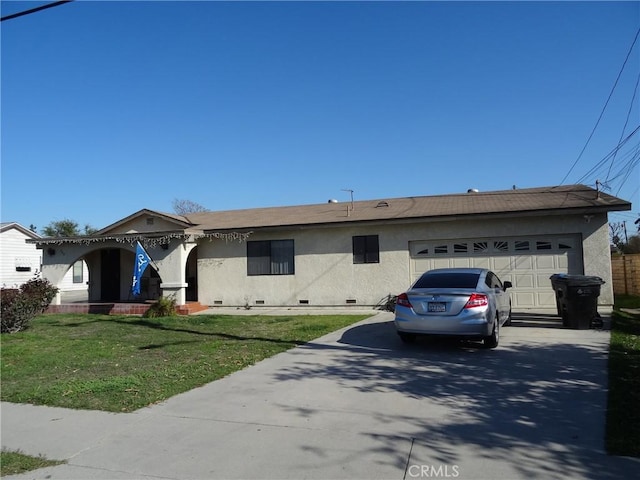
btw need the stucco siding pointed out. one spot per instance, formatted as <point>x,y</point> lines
<point>324,271</point>
<point>597,255</point>
<point>141,225</point>
<point>326,275</point>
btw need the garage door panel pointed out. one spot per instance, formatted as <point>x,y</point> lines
<point>542,279</point>
<point>482,262</point>
<point>520,262</point>
<point>546,298</point>
<point>523,299</point>
<point>544,262</point>
<point>441,263</point>
<point>562,262</point>
<point>523,281</point>
<point>501,264</point>
<point>460,262</point>
<point>422,265</point>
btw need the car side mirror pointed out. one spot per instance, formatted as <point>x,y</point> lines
<point>507,284</point>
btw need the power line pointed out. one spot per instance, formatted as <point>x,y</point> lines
<point>602,162</point>
<point>34,10</point>
<point>626,122</point>
<point>603,108</point>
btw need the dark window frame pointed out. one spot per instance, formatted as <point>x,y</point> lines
<point>366,249</point>
<point>270,257</point>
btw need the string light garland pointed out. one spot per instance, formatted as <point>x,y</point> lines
<point>146,240</point>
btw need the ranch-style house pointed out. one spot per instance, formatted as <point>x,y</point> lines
<point>348,253</point>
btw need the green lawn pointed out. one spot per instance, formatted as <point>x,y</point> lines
<point>122,363</point>
<point>623,411</point>
<point>13,463</point>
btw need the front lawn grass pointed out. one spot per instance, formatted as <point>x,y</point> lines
<point>623,411</point>
<point>13,463</point>
<point>122,363</point>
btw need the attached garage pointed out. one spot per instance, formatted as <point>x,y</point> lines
<point>527,262</point>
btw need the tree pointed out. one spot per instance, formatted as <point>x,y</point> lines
<point>66,228</point>
<point>624,244</point>
<point>633,245</point>
<point>185,207</point>
<point>616,234</point>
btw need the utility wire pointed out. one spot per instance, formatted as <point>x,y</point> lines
<point>34,10</point>
<point>610,154</point>
<point>626,122</point>
<point>603,108</point>
<point>630,168</point>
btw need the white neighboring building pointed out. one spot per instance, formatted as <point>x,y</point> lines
<point>21,261</point>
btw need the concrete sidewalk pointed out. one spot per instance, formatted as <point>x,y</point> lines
<point>358,404</point>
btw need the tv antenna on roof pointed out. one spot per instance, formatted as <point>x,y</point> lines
<point>351,192</point>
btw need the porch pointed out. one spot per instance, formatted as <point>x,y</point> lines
<point>77,302</point>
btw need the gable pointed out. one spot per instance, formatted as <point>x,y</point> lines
<point>18,229</point>
<point>146,221</point>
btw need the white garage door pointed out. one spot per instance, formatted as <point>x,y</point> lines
<point>527,262</point>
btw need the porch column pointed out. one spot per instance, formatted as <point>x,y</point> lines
<point>57,300</point>
<point>175,290</point>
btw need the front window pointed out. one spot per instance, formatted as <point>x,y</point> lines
<point>78,274</point>
<point>270,257</point>
<point>366,249</point>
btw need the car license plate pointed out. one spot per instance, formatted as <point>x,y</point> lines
<point>436,307</point>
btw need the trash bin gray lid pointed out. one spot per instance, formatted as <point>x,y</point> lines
<point>576,280</point>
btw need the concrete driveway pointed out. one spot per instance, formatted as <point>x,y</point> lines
<point>354,404</point>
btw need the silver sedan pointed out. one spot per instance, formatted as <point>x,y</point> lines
<point>460,302</point>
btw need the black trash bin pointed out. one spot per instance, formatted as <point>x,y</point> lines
<point>577,299</point>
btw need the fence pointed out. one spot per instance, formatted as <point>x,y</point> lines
<point>625,270</point>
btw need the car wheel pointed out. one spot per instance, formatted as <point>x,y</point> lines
<point>492,340</point>
<point>407,337</point>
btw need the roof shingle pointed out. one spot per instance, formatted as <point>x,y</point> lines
<point>531,201</point>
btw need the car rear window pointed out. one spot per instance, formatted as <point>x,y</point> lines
<point>448,280</point>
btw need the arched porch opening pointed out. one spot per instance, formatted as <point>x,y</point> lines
<point>74,286</point>
<point>108,279</point>
<point>191,276</point>
<point>112,282</point>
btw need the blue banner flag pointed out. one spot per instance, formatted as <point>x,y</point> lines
<point>142,261</point>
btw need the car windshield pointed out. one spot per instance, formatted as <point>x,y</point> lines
<point>448,280</point>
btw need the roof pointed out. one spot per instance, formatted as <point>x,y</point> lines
<point>561,200</point>
<point>529,201</point>
<point>4,226</point>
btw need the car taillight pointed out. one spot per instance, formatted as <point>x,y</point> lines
<point>477,300</point>
<point>403,300</point>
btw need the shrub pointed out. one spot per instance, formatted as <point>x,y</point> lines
<point>20,306</point>
<point>164,307</point>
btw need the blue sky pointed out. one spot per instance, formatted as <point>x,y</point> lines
<point>111,107</point>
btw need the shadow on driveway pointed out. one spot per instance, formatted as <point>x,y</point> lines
<point>537,402</point>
